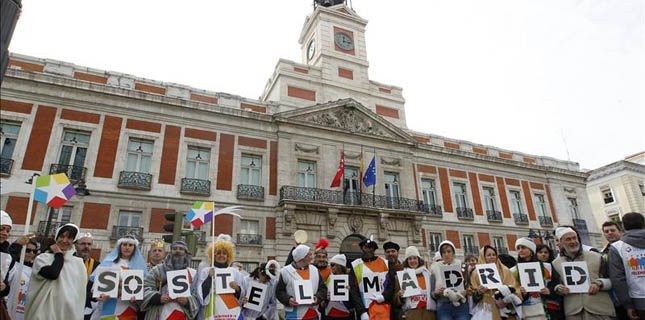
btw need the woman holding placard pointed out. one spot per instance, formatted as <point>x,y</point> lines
<point>126,256</point>
<point>486,306</point>
<point>450,293</point>
<point>553,301</point>
<point>266,274</point>
<point>420,305</point>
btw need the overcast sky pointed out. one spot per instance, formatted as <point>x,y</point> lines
<point>524,75</point>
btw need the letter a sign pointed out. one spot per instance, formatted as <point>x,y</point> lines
<point>576,276</point>
<point>489,275</point>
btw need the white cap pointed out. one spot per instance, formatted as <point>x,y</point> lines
<point>300,252</point>
<point>78,232</point>
<point>561,231</point>
<point>411,251</point>
<point>525,242</point>
<point>448,242</point>
<point>339,259</point>
<point>5,219</point>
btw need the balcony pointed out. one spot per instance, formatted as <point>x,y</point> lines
<point>197,187</point>
<point>135,180</point>
<point>119,232</point>
<point>250,192</point>
<point>432,210</point>
<point>474,250</point>
<point>545,221</point>
<point>42,225</point>
<point>246,238</point>
<point>465,213</point>
<point>494,216</point>
<point>521,219</point>
<point>351,198</point>
<point>74,173</point>
<point>5,167</point>
<point>502,250</point>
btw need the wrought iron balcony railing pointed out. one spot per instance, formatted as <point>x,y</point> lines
<point>74,173</point>
<point>465,213</point>
<point>42,225</point>
<point>245,238</point>
<point>545,221</point>
<point>474,250</point>
<point>195,186</point>
<point>494,216</point>
<point>432,210</point>
<point>351,198</point>
<point>5,166</point>
<point>502,250</point>
<point>135,180</point>
<point>250,192</point>
<point>521,218</point>
<point>119,232</point>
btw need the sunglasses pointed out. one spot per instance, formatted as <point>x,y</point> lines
<point>31,250</point>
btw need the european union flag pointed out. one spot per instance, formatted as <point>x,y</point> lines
<point>369,178</point>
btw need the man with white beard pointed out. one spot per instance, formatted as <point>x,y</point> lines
<point>596,303</point>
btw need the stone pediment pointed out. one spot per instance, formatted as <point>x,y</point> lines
<point>346,115</point>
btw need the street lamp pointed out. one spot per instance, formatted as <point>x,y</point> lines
<point>544,236</point>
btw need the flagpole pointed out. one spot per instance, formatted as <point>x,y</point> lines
<point>17,280</point>
<point>374,185</point>
<point>212,261</point>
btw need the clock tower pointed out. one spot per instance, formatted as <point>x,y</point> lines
<point>333,66</point>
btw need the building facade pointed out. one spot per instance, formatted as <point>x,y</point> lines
<point>146,148</point>
<point>617,188</point>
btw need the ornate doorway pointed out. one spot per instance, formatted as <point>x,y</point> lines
<point>350,248</point>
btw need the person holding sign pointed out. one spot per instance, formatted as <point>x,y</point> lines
<point>261,296</point>
<point>420,304</point>
<point>369,273</point>
<point>156,300</point>
<point>126,256</point>
<point>532,276</point>
<point>21,290</point>
<point>393,266</point>
<point>485,304</point>
<point>220,287</point>
<point>449,278</point>
<point>554,302</point>
<point>58,279</point>
<point>300,287</point>
<point>157,253</point>
<point>341,295</point>
<point>595,302</point>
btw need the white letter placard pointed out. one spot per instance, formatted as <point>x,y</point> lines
<point>131,284</point>
<point>576,276</point>
<point>371,284</point>
<point>255,296</point>
<point>339,287</point>
<point>223,279</point>
<point>489,275</point>
<point>304,291</point>
<point>409,284</point>
<point>106,282</point>
<point>452,277</point>
<point>531,276</point>
<point>178,284</point>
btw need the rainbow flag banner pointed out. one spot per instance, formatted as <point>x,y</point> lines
<point>54,190</point>
<point>200,213</point>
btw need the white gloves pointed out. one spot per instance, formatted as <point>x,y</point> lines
<point>379,298</point>
<point>365,316</point>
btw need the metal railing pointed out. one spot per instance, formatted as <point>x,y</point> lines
<point>135,180</point>
<point>520,218</point>
<point>465,213</point>
<point>353,198</point>
<point>494,216</point>
<point>5,166</point>
<point>119,232</point>
<point>474,250</point>
<point>53,225</point>
<point>545,221</point>
<point>432,210</point>
<point>246,238</point>
<point>250,192</point>
<point>74,173</point>
<point>195,186</point>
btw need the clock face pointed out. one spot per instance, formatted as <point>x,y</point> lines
<point>311,49</point>
<point>344,41</point>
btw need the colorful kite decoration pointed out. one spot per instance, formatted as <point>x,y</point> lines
<point>54,190</point>
<point>202,212</point>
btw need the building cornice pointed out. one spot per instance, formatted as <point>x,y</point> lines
<point>615,167</point>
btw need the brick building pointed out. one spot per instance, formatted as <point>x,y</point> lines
<point>145,148</point>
